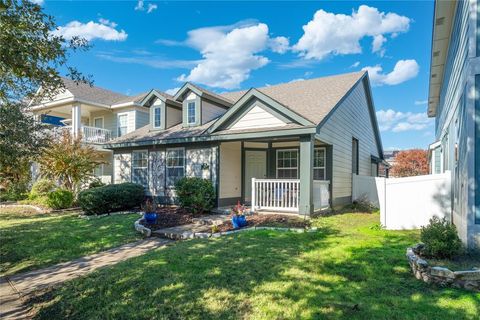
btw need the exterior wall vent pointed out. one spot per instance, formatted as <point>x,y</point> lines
<point>439,21</point>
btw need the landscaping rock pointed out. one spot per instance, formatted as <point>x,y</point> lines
<point>473,275</point>
<point>442,272</point>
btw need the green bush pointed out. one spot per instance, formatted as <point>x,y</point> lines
<point>41,188</point>
<point>111,198</point>
<point>60,199</point>
<point>95,184</point>
<point>14,192</point>
<point>440,238</point>
<point>195,194</point>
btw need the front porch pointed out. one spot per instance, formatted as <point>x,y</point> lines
<point>290,175</point>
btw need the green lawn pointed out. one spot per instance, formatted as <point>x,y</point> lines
<point>348,270</point>
<point>29,240</point>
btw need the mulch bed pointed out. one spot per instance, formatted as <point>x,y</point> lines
<point>269,220</point>
<point>169,217</point>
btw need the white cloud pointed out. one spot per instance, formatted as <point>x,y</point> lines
<point>104,30</point>
<point>397,121</point>
<point>139,6</point>
<point>151,7</point>
<point>39,2</point>
<point>404,70</point>
<point>420,102</point>
<point>230,53</point>
<point>158,62</point>
<point>355,64</point>
<point>377,44</point>
<point>337,34</point>
<point>172,91</point>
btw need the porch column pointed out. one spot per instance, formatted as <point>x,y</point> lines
<point>76,120</point>
<point>306,174</point>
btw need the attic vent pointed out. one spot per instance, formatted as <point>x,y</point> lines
<point>439,21</point>
<point>436,53</point>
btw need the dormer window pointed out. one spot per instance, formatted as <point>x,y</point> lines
<point>157,117</point>
<point>191,116</point>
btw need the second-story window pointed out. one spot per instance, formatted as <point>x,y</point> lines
<point>157,117</point>
<point>122,124</point>
<point>191,113</point>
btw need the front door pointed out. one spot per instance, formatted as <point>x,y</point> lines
<point>255,167</point>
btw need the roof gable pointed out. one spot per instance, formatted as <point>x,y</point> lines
<point>254,98</point>
<point>203,93</point>
<point>160,95</point>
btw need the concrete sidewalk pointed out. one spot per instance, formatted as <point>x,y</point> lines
<point>14,287</point>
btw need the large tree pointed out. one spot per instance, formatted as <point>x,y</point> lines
<point>410,163</point>
<point>30,58</point>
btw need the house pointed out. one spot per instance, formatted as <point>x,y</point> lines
<point>291,147</point>
<point>96,114</point>
<point>454,102</point>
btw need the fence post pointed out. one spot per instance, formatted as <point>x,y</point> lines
<point>253,195</point>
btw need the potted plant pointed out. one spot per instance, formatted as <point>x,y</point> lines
<point>238,216</point>
<point>150,211</point>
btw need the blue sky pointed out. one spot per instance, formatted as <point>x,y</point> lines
<point>227,46</point>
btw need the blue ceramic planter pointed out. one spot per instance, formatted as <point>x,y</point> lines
<point>151,217</point>
<point>239,222</point>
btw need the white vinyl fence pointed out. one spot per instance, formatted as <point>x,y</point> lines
<point>406,203</point>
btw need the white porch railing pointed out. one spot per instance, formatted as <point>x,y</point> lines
<point>321,194</point>
<point>284,195</point>
<point>89,134</point>
<point>275,194</point>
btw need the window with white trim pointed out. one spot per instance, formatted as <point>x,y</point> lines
<point>319,164</point>
<point>157,117</point>
<point>175,166</point>
<point>122,124</point>
<point>140,168</point>
<point>191,117</point>
<point>287,164</point>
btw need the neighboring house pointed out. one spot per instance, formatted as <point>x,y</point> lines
<point>289,147</point>
<point>97,114</point>
<point>390,156</point>
<point>454,102</point>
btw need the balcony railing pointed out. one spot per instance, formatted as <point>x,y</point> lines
<point>89,134</point>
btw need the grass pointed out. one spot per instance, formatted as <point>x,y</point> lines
<point>29,240</point>
<point>348,270</point>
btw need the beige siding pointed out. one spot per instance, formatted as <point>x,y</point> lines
<point>130,120</point>
<point>174,116</point>
<point>141,119</point>
<point>109,119</point>
<point>122,167</point>
<point>262,145</point>
<point>230,184</point>
<point>211,111</point>
<point>350,119</point>
<point>257,118</point>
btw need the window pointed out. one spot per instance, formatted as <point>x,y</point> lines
<point>287,164</point>
<point>319,157</point>
<point>157,117</point>
<point>98,171</point>
<point>175,166</point>
<point>122,124</point>
<point>140,168</point>
<point>354,156</point>
<point>191,113</point>
<point>98,122</point>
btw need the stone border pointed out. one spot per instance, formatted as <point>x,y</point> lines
<point>147,232</point>
<point>201,235</point>
<point>96,216</point>
<point>469,279</point>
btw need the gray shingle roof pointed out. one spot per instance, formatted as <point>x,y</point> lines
<point>95,94</point>
<point>313,99</point>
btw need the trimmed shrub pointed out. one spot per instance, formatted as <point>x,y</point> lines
<point>42,188</point>
<point>440,238</point>
<point>95,184</point>
<point>195,194</point>
<point>14,192</point>
<point>111,198</point>
<point>60,199</point>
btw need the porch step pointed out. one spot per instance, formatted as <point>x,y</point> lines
<point>181,232</point>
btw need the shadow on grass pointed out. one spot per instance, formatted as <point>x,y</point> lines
<point>37,240</point>
<point>261,274</point>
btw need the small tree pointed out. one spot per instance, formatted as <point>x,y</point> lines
<point>70,162</point>
<point>410,163</point>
